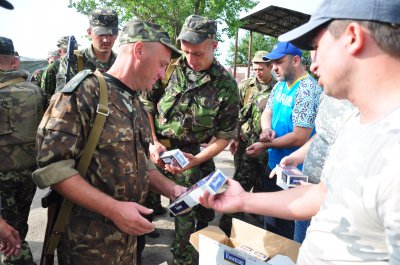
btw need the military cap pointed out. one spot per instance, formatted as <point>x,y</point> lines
<point>63,43</point>
<point>137,30</point>
<point>258,57</point>
<point>6,46</point>
<point>53,53</point>
<point>6,4</point>
<point>196,29</point>
<point>104,21</point>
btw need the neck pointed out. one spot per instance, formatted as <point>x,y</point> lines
<point>299,72</point>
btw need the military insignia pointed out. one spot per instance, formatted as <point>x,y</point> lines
<point>75,81</point>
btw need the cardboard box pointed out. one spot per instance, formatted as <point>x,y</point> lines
<point>216,248</point>
<point>289,177</point>
<point>174,157</point>
<point>212,183</point>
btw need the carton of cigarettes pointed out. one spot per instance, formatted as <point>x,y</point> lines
<point>289,176</point>
<point>174,157</point>
<point>212,183</point>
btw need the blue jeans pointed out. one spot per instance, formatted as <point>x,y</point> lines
<point>300,230</point>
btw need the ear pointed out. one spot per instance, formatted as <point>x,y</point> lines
<point>354,37</point>
<point>89,32</point>
<point>296,60</point>
<point>214,45</point>
<point>138,50</point>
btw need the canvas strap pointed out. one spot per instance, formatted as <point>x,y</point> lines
<point>66,207</point>
<point>12,81</point>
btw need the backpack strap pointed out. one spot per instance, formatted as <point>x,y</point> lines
<point>66,207</point>
<point>80,60</point>
<point>170,69</point>
<point>12,81</point>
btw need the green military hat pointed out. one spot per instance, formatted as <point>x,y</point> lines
<point>258,57</point>
<point>53,53</point>
<point>196,29</point>
<point>104,21</point>
<point>63,42</point>
<point>137,30</point>
<point>6,46</point>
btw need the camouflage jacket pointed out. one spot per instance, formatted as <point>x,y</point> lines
<point>49,79</point>
<point>194,111</point>
<point>250,112</point>
<point>36,76</point>
<point>120,164</point>
<point>20,113</point>
<point>89,62</point>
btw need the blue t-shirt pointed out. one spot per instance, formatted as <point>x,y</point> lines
<point>292,106</point>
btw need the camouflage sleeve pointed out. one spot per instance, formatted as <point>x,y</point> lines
<point>270,99</point>
<point>228,116</point>
<point>48,82</point>
<point>61,133</point>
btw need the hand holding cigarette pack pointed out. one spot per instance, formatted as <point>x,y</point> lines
<point>175,158</point>
<point>289,176</point>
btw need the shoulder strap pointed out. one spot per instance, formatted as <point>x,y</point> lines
<point>66,207</point>
<point>12,81</point>
<point>170,69</point>
<point>80,60</point>
<point>247,95</point>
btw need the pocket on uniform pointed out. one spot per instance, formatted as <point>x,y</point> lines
<point>204,114</point>
<point>6,116</point>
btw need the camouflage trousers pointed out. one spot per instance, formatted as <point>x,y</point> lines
<point>250,172</point>
<point>183,252</point>
<point>93,241</point>
<point>17,190</point>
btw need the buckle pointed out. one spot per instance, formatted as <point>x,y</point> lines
<point>103,110</point>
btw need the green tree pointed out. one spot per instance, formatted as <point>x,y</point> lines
<point>172,13</point>
<point>260,42</point>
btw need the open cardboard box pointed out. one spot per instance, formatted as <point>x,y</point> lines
<point>215,247</point>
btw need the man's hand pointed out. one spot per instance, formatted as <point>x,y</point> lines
<point>10,242</point>
<point>127,216</point>
<point>267,135</point>
<point>256,149</point>
<point>286,161</point>
<point>233,146</point>
<point>155,150</point>
<point>177,190</point>
<point>176,169</point>
<point>230,201</point>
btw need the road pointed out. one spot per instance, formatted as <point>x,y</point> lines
<point>156,251</point>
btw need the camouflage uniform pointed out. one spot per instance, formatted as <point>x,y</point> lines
<point>191,109</point>
<point>119,166</point>
<point>20,113</point>
<point>49,80</point>
<point>36,77</point>
<point>249,171</point>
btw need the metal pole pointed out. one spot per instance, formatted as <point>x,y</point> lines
<point>249,54</point>
<point>236,48</point>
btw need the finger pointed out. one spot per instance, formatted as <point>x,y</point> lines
<point>144,210</point>
<point>272,174</point>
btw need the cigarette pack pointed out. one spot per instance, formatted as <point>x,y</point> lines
<point>289,176</point>
<point>174,157</point>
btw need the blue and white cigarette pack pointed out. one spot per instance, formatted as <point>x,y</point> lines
<point>289,176</point>
<point>174,157</point>
<point>212,183</point>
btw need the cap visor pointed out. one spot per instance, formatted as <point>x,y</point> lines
<point>192,37</point>
<point>6,5</point>
<point>105,30</point>
<point>302,36</point>
<point>273,56</point>
<point>175,52</point>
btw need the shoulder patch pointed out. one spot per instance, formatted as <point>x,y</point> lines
<point>75,81</point>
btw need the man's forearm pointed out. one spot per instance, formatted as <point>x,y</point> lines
<point>212,150</point>
<point>161,184</point>
<point>153,130</point>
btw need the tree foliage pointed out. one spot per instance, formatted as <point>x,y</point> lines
<point>260,42</point>
<point>171,14</point>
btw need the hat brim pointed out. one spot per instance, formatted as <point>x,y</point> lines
<point>192,37</point>
<point>6,4</point>
<point>175,52</point>
<point>303,36</point>
<point>100,30</point>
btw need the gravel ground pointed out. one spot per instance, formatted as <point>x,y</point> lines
<point>157,249</point>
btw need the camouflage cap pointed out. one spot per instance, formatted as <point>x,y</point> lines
<point>104,21</point>
<point>53,53</point>
<point>63,42</point>
<point>137,30</point>
<point>258,57</point>
<point>196,29</point>
<point>6,46</point>
<point>6,4</point>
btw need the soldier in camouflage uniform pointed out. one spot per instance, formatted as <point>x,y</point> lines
<point>356,205</point>
<point>107,214</point>
<point>103,31</point>
<point>49,76</point>
<point>200,101</point>
<point>250,171</point>
<point>20,113</point>
<point>37,75</point>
